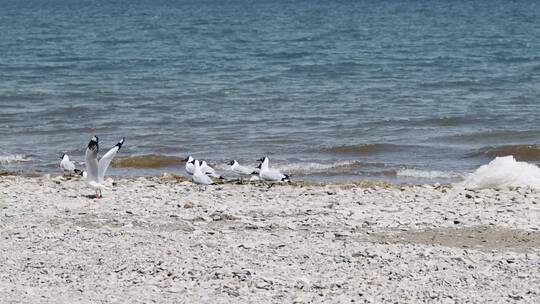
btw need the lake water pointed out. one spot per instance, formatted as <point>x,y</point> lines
<point>406,91</point>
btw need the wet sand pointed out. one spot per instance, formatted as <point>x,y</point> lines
<point>165,240</point>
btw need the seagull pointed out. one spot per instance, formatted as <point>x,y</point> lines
<point>244,171</point>
<point>95,170</point>
<point>199,177</point>
<point>238,169</point>
<point>270,174</point>
<point>67,165</point>
<point>209,170</point>
<point>190,167</point>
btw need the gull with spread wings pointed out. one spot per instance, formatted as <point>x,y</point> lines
<point>95,170</point>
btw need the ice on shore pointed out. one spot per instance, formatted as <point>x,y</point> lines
<point>504,172</point>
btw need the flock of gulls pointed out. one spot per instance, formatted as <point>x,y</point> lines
<point>201,173</point>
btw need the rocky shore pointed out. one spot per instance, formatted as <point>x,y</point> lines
<point>164,240</point>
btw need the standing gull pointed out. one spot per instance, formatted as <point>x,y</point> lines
<point>205,168</point>
<point>190,165</point>
<point>95,170</point>
<point>270,174</point>
<point>67,165</point>
<point>244,171</point>
<point>209,170</point>
<point>199,177</point>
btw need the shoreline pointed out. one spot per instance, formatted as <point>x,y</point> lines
<point>365,182</point>
<point>164,239</point>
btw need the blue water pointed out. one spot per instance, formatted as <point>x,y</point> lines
<point>433,83</point>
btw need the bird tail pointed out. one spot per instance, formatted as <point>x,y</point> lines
<point>78,172</point>
<point>286,178</point>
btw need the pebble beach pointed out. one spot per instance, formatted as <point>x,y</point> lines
<point>165,240</point>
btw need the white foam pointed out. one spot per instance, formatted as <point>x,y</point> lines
<point>504,172</point>
<point>303,167</point>
<point>15,158</point>
<point>311,167</point>
<point>429,174</point>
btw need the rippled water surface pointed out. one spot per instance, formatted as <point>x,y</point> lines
<point>399,90</point>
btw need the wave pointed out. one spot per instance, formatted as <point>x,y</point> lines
<point>313,167</point>
<point>147,161</point>
<point>429,174</point>
<point>457,83</point>
<point>504,172</point>
<point>164,149</point>
<point>336,68</point>
<point>476,137</point>
<point>55,131</point>
<point>284,54</point>
<point>308,168</point>
<point>14,158</point>
<point>367,149</point>
<point>520,152</point>
<point>449,121</point>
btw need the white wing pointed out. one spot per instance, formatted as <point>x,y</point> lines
<point>203,179</point>
<point>199,177</point>
<point>213,174</point>
<point>67,165</point>
<point>244,170</point>
<point>105,161</point>
<point>205,168</point>
<point>190,168</point>
<point>272,175</point>
<point>91,165</point>
<point>70,166</point>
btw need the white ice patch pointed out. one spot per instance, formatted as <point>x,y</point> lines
<point>504,172</point>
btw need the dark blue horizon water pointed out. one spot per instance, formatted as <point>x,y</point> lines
<point>433,85</point>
